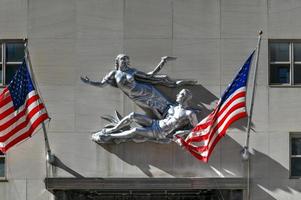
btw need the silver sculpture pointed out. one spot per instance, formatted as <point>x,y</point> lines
<point>140,87</point>
<point>179,120</point>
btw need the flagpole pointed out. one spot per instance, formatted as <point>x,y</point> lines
<point>47,145</point>
<point>253,92</point>
<point>245,151</point>
<point>27,59</point>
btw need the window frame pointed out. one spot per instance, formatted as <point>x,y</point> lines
<point>291,62</point>
<point>4,177</point>
<point>3,43</point>
<point>291,136</point>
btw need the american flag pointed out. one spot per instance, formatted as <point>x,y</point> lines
<point>201,141</point>
<point>21,109</point>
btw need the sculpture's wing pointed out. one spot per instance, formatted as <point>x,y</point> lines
<point>114,120</point>
<point>118,115</point>
<point>110,118</point>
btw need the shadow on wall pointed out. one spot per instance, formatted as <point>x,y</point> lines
<point>155,160</point>
<point>268,177</point>
<point>270,180</point>
<point>171,158</point>
<point>56,162</point>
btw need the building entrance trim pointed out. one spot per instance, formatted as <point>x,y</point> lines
<point>109,184</point>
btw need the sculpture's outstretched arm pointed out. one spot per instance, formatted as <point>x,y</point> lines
<point>105,81</point>
<point>94,83</point>
<point>159,79</point>
<point>193,119</point>
<point>161,64</point>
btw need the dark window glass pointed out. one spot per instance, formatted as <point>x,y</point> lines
<point>296,146</point>
<point>2,167</point>
<point>279,74</point>
<point>14,52</point>
<point>236,195</point>
<point>279,52</point>
<point>297,74</point>
<point>297,51</point>
<point>10,72</point>
<point>1,74</point>
<point>295,166</point>
<point>0,52</point>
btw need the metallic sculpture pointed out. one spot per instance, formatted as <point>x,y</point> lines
<point>140,86</point>
<point>169,118</point>
<point>179,120</point>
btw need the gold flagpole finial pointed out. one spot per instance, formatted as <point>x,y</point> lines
<point>260,32</point>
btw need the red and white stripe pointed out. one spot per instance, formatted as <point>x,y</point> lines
<point>203,138</point>
<point>17,125</point>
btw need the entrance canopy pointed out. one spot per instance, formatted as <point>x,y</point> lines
<point>146,188</point>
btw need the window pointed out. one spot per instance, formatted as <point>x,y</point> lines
<point>2,166</point>
<point>295,155</point>
<point>11,55</point>
<point>285,62</point>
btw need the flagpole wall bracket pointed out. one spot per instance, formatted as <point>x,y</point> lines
<point>245,154</point>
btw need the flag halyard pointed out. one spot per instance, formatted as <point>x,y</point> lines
<point>230,108</point>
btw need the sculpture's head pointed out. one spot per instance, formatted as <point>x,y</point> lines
<point>122,61</point>
<point>184,96</point>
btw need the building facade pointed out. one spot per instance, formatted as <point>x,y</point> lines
<point>68,39</point>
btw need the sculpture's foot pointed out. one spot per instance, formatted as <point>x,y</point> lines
<point>186,82</point>
<point>109,131</point>
<point>101,137</point>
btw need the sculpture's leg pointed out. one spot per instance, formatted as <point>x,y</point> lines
<point>127,120</point>
<point>101,137</point>
<point>144,132</point>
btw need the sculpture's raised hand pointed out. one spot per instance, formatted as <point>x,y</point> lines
<point>85,79</point>
<point>164,59</point>
<point>168,58</point>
